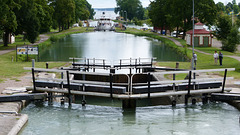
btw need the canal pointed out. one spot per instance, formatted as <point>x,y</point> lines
<point>108,45</point>
<point>109,118</point>
<point>209,119</point>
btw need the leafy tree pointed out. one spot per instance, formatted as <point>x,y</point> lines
<point>81,10</point>
<point>223,26</point>
<point>230,44</point>
<point>64,13</point>
<point>28,19</point>
<point>229,7</point>
<point>236,9</point>
<point>8,22</point>
<point>132,8</point>
<point>163,12</point>
<point>44,13</point>
<point>220,7</point>
<point>91,10</point>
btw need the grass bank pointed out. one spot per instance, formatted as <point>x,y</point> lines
<point>204,61</point>
<point>15,69</point>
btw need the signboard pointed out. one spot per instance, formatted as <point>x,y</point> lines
<point>27,50</point>
<point>22,50</point>
<point>33,50</point>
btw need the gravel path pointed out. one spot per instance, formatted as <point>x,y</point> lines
<point>43,37</point>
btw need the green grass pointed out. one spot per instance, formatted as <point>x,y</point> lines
<point>12,70</point>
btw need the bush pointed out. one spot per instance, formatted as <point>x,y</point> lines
<point>230,44</point>
<point>54,38</point>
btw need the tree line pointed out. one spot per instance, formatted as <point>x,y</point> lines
<point>31,17</point>
<point>178,15</point>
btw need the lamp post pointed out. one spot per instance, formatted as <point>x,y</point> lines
<point>193,39</point>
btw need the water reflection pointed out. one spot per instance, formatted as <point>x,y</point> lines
<point>107,45</point>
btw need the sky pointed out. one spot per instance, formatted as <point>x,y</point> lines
<point>145,3</point>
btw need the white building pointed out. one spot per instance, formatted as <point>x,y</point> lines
<point>202,37</point>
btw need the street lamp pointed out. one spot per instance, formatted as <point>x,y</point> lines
<point>193,39</point>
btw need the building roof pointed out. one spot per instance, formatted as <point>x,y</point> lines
<point>199,24</point>
<point>198,31</point>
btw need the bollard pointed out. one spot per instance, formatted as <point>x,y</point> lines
<point>33,63</point>
<point>12,58</point>
<point>46,65</point>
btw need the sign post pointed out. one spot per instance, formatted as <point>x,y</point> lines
<point>26,50</point>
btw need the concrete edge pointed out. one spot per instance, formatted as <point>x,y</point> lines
<point>19,125</point>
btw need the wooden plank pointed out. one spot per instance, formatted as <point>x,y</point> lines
<point>12,98</point>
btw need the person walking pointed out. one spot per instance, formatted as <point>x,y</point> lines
<point>220,58</point>
<point>195,59</point>
<point>215,56</point>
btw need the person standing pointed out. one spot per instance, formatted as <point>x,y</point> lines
<point>215,56</point>
<point>220,58</point>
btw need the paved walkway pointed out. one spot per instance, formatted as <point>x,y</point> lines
<point>43,37</point>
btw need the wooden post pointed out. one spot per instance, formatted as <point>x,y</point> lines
<point>88,64</point>
<point>73,63</point>
<point>38,53</point>
<point>46,65</point>
<point>93,64</point>
<point>111,83</point>
<point>120,64</point>
<point>27,53</point>
<point>149,79</point>
<point>224,80</point>
<point>189,85</point>
<point>34,84</point>
<point>69,91</point>
<point>151,62</point>
<point>16,53</point>
<point>104,64</point>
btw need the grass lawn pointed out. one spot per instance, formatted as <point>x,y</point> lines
<point>14,69</point>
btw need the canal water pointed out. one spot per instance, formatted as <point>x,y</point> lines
<point>210,119</point>
<point>108,45</point>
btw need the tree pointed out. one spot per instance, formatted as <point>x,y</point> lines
<point>180,11</point>
<point>44,13</point>
<point>28,19</point>
<point>223,26</point>
<point>64,13</point>
<point>220,7</point>
<point>131,8</point>
<point>81,10</point>
<point>8,22</point>
<point>230,44</point>
<point>91,10</point>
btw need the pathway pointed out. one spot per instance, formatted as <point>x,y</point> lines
<point>43,37</point>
